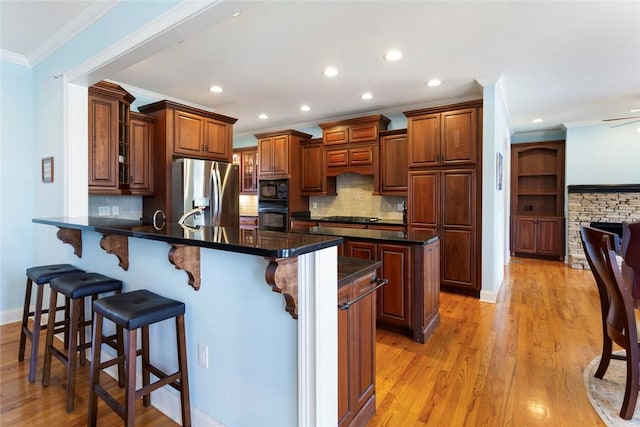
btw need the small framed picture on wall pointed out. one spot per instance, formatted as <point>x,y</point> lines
<point>47,169</point>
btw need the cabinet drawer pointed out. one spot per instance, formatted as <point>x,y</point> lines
<point>361,156</point>
<point>338,135</point>
<point>337,158</point>
<point>364,133</point>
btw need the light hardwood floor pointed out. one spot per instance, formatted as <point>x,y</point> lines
<point>515,363</point>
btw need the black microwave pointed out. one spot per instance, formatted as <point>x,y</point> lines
<point>273,190</point>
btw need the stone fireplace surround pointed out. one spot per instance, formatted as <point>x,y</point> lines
<point>597,203</point>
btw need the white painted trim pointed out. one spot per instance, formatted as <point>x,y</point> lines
<point>80,22</point>
<point>14,58</point>
<point>76,149</point>
<point>318,340</point>
<point>11,316</point>
<point>173,17</point>
<point>490,296</point>
<point>165,400</point>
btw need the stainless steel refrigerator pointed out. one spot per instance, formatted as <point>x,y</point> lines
<point>205,192</point>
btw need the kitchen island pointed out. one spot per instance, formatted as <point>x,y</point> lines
<point>268,360</point>
<point>409,303</point>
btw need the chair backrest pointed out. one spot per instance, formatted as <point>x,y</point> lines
<point>620,323</point>
<point>591,240</point>
<point>630,251</point>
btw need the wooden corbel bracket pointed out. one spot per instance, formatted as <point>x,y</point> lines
<point>118,245</point>
<point>282,276</point>
<point>187,258</point>
<point>72,237</point>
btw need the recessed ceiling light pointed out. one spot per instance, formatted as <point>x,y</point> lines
<point>366,95</point>
<point>263,116</point>
<point>215,89</point>
<point>635,110</point>
<point>305,108</point>
<point>538,120</point>
<point>393,55</point>
<point>235,15</point>
<point>434,83</point>
<point>330,71</point>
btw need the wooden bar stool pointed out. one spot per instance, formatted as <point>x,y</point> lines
<point>40,275</point>
<point>132,311</point>
<point>75,287</point>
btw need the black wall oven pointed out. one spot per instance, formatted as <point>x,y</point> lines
<point>273,190</point>
<point>273,217</point>
<point>273,205</point>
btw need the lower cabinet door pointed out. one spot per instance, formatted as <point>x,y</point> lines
<point>394,299</point>
<point>549,240</point>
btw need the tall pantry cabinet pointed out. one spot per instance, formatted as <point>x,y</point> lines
<point>444,188</point>
<point>537,199</point>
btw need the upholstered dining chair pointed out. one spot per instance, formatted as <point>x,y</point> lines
<point>591,239</point>
<point>620,321</point>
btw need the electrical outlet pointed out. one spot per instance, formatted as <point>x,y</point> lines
<point>115,210</point>
<point>203,356</point>
<point>103,211</point>
<point>315,205</point>
<point>400,207</point>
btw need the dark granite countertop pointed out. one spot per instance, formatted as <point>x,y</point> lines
<point>269,244</point>
<point>352,268</point>
<point>415,237</point>
<point>304,216</point>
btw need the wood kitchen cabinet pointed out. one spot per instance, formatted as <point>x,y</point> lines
<point>182,131</point>
<point>409,303</point>
<point>313,171</point>
<point>198,136</point>
<point>108,145</point>
<point>247,161</point>
<point>444,184</point>
<point>358,130</point>
<point>445,202</point>
<point>141,129</point>
<point>394,162</point>
<point>185,131</point>
<point>278,152</point>
<point>537,199</point>
<point>356,354</point>
<point>442,138</point>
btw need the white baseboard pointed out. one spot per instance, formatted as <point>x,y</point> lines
<point>489,296</point>
<point>167,402</point>
<point>10,316</point>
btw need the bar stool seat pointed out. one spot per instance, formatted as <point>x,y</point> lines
<point>132,311</point>
<point>39,275</point>
<point>75,288</point>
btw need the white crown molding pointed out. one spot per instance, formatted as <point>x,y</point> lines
<point>14,58</point>
<point>89,15</point>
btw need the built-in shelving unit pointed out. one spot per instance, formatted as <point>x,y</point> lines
<point>537,201</point>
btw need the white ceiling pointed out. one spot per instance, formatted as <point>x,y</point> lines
<point>566,62</point>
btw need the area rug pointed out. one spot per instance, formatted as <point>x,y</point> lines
<point>606,394</point>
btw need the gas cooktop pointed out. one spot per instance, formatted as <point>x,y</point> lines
<point>351,218</point>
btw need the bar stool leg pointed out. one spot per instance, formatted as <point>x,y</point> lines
<point>130,367</point>
<point>181,342</point>
<point>46,371</point>
<point>25,320</point>
<point>35,333</point>
<point>72,351</point>
<point>146,374</point>
<point>120,352</point>
<point>94,374</point>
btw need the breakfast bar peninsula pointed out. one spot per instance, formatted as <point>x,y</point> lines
<point>254,357</point>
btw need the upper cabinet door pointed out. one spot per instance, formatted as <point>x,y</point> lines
<point>459,136</point>
<point>217,140</point>
<point>424,140</point>
<point>265,150</point>
<point>188,131</point>
<point>141,154</point>
<point>103,140</point>
<point>281,155</point>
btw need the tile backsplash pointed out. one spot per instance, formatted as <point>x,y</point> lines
<point>355,198</point>
<point>129,207</point>
<point>248,205</point>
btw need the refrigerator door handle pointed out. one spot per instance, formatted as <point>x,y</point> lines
<point>219,216</point>
<point>215,189</point>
